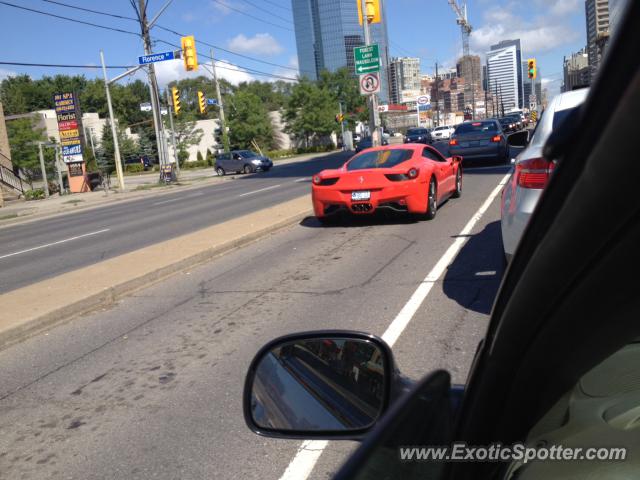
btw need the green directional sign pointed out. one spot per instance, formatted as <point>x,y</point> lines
<point>367,59</point>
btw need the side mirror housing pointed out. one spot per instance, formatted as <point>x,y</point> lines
<point>457,159</point>
<point>519,139</point>
<point>319,385</point>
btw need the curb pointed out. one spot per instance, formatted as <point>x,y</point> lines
<point>109,296</point>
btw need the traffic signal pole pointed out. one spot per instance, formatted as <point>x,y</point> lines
<point>112,122</point>
<point>373,99</point>
<point>173,131</point>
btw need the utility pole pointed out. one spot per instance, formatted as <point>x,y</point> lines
<point>114,133</point>
<point>223,123</point>
<point>43,171</point>
<point>437,98</point>
<point>173,131</point>
<point>341,125</point>
<point>59,170</point>
<point>373,100</point>
<point>153,86</point>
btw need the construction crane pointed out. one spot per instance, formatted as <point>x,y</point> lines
<point>465,26</point>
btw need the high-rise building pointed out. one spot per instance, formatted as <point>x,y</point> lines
<point>404,79</point>
<point>327,32</point>
<point>504,74</point>
<point>616,12</point>
<point>597,13</point>
<point>469,68</point>
<point>575,69</point>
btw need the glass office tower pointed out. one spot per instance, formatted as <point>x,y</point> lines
<point>327,32</point>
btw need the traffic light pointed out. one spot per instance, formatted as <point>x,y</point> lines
<point>531,68</point>
<point>189,55</point>
<point>175,95</point>
<point>339,118</point>
<point>373,11</point>
<point>202,102</point>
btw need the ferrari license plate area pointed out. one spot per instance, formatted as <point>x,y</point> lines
<point>360,195</point>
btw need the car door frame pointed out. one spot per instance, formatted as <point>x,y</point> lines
<point>446,170</point>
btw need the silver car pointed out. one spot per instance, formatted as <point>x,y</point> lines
<point>531,171</point>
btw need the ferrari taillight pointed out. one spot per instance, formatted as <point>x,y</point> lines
<point>413,173</point>
<point>533,173</point>
<point>317,180</point>
<point>453,141</point>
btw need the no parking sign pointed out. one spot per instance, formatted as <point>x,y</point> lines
<point>369,83</point>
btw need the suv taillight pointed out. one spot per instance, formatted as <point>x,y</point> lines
<point>534,172</point>
<point>453,142</point>
<point>496,138</point>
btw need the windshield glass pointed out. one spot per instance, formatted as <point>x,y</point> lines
<point>247,153</point>
<point>477,127</point>
<point>379,159</point>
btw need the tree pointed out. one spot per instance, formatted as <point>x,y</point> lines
<point>106,153</point>
<point>249,121</point>
<point>23,136</point>
<point>310,112</point>
<point>199,157</point>
<point>186,135</point>
<point>344,88</point>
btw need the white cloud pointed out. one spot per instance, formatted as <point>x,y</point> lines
<point>6,74</point>
<point>222,6</point>
<point>259,44</point>
<point>560,7</point>
<point>171,70</point>
<point>287,72</point>
<point>537,33</point>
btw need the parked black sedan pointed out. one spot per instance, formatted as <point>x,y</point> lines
<point>242,161</point>
<point>418,135</point>
<point>367,142</point>
<point>484,140</point>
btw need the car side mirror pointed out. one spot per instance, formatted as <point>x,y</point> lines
<point>456,159</point>
<point>518,139</point>
<point>327,384</point>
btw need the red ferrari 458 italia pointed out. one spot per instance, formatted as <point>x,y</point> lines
<point>411,178</point>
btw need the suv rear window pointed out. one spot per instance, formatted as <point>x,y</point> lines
<point>477,127</point>
<point>417,131</point>
<point>379,159</point>
<point>560,116</point>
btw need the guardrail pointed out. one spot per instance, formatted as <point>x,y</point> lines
<point>11,180</point>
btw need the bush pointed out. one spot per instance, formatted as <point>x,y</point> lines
<point>198,164</point>
<point>316,149</point>
<point>280,153</point>
<point>134,167</point>
<point>35,194</point>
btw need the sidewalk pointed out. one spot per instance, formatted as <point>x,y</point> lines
<point>137,186</point>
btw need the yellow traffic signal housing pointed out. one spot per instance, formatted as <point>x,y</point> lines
<point>339,118</point>
<point>175,95</point>
<point>374,13</point>
<point>202,102</point>
<point>189,54</point>
<point>531,68</point>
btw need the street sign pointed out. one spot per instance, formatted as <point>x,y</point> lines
<point>369,83</point>
<point>424,108</point>
<point>212,101</point>
<point>163,110</point>
<point>367,59</point>
<point>423,100</point>
<point>383,108</point>
<point>145,107</point>
<point>533,106</point>
<point>533,116</point>
<point>155,57</point>
<point>533,98</point>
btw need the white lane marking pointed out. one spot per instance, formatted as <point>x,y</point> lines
<point>488,273</point>
<point>197,194</point>
<point>54,243</point>
<point>259,190</point>
<point>305,179</point>
<point>309,452</point>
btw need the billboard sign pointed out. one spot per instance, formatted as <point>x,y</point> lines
<point>69,126</point>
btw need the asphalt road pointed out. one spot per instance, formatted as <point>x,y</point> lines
<point>49,247</point>
<point>151,388</point>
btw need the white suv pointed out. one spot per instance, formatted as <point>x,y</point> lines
<point>442,132</point>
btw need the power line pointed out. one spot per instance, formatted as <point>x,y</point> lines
<point>202,42</point>
<point>98,12</point>
<point>23,64</point>
<point>251,16</point>
<point>277,5</point>
<point>114,15</point>
<point>236,68</point>
<point>267,11</point>
<point>70,19</point>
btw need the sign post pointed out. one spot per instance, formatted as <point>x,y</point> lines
<point>367,61</point>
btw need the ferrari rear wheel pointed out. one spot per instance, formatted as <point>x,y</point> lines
<point>432,203</point>
<point>458,191</point>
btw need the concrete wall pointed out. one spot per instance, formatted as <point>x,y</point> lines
<point>5,150</point>
<point>208,141</point>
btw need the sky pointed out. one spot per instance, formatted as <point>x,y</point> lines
<point>263,31</point>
